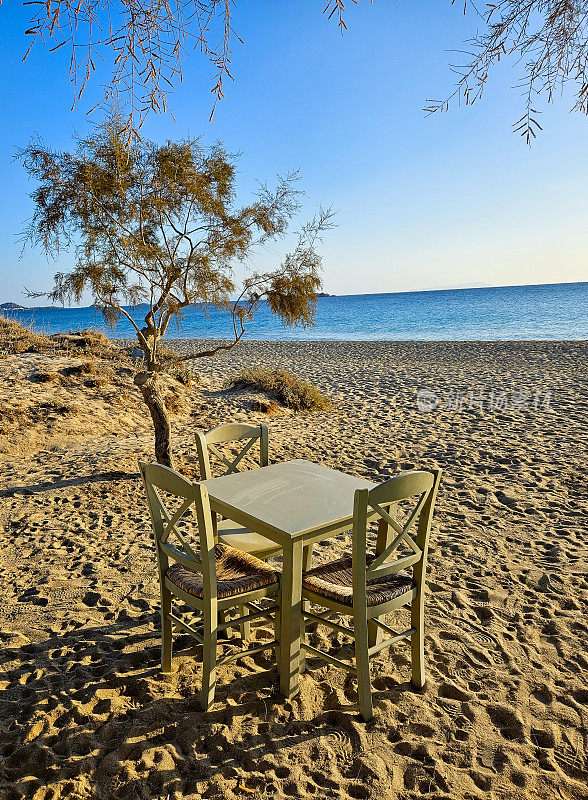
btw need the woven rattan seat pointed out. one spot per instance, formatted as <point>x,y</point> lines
<point>236,572</point>
<point>335,580</point>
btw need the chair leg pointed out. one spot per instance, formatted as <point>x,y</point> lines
<point>362,662</point>
<point>303,638</point>
<point>306,565</point>
<point>417,621</point>
<point>277,622</point>
<point>374,633</point>
<point>224,615</point>
<point>166,630</point>
<point>209,660</point>
<point>245,626</point>
<point>384,539</point>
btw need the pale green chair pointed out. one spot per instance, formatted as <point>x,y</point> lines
<point>206,444</point>
<point>229,532</point>
<point>215,579</point>
<point>367,587</point>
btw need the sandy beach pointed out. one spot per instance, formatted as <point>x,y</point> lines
<point>85,711</point>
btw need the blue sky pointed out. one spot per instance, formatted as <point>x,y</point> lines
<point>421,201</point>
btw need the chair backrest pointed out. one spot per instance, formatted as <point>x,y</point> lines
<point>206,442</point>
<point>418,485</point>
<point>159,480</point>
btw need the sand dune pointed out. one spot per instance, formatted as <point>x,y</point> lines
<point>85,712</point>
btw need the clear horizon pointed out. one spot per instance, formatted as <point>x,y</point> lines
<point>360,294</point>
<point>422,202</point>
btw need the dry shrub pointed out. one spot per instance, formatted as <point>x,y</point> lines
<point>46,376</point>
<point>283,386</point>
<point>96,382</point>
<point>68,410</point>
<point>269,407</point>
<point>185,376</point>
<point>174,402</point>
<point>92,343</point>
<point>13,417</point>
<point>17,338</point>
<point>165,354</point>
<point>20,415</point>
<point>93,368</point>
<point>90,368</point>
<point>93,337</point>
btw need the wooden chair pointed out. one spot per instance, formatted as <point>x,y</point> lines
<point>229,532</point>
<point>206,442</point>
<point>216,579</point>
<point>366,587</point>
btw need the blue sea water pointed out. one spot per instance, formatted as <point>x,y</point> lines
<point>550,311</point>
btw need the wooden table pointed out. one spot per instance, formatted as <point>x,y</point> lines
<point>294,503</point>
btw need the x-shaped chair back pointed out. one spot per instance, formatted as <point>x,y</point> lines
<point>159,480</point>
<point>231,432</point>
<point>417,485</point>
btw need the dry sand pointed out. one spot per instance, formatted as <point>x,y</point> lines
<point>84,709</point>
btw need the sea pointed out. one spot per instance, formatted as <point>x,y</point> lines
<point>547,311</point>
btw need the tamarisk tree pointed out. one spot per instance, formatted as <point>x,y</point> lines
<point>159,225</point>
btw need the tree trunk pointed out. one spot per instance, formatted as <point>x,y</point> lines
<point>148,384</point>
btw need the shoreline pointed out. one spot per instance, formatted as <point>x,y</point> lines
<point>126,340</point>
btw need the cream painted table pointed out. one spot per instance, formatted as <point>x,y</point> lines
<point>294,503</point>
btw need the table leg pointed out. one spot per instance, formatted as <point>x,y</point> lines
<point>290,619</point>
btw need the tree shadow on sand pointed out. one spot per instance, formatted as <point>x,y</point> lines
<point>60,483</point>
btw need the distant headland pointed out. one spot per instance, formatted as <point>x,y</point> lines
<point>18,307</point>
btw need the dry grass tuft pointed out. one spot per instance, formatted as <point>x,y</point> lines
<point>13,417</point>
<point>92,343</point>
<point>185,376</point>
<point>97,382</point>
<point>174,402</point>
<point>269,407</point>
<point>16,338</point>
<point>282,386</point>
<point>88,368</point>
<point>20,415</point>
<point>46,376</point>
<point>165,353</point>
<point>68,409</point>
<point>96,374</point>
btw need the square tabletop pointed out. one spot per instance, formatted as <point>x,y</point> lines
<point>293,497</point>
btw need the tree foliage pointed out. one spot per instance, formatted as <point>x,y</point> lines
<point>548,37</point>
<point>159,224</point>
<point>147,40</point>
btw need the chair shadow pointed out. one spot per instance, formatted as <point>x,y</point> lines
<point>91,704</point>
